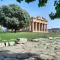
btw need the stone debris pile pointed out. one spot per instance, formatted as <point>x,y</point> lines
<point>43,49</point>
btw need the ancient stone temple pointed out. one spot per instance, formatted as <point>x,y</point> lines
<point>38,24</point>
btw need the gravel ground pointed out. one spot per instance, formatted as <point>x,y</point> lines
<point>42,50</point>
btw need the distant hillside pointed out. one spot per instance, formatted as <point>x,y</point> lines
<point>54,30</point>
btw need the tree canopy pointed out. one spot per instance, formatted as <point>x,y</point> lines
<point>13,17</point>
<point>42,3</point>
<point>57,9</point>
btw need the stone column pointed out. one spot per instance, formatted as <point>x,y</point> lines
<point>42,27</point>
<point>39,27</point>
<point>36,26</point>
<point>32,26</point>
<point>46,27</point>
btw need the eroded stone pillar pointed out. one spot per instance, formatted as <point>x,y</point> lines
<point>39,27</point>
<point>46,27</point>
<point>29,26</point>
<point>32,27</point>
<point>36,26</point>
<point>42,27</point>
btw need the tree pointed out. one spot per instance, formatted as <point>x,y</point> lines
<point>57,9</point>
<point>43,3</point>
<point>12,23</point>
<point>13,17</point>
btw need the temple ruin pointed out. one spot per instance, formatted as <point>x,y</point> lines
<point>38,24</point>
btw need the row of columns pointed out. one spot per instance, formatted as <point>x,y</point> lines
<point>38,26</point>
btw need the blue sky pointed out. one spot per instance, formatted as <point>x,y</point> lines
<point>33,9</point>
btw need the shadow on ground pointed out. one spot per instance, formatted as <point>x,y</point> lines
<point>7,55</point>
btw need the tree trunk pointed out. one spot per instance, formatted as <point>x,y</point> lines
<point>12,30</point>
<point>15,30</point>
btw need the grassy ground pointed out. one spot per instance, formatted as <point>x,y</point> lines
<point>29,35</point>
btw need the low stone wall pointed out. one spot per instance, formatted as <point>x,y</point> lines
<point>13,43</point>
<point>4,44</point>
<point>24,40</point>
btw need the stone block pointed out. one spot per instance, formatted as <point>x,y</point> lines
<point>35,40</point>
<point>22,40</point>
<point>50,38</point>
<point>11,43</point>
<point>7,44</point>
<point>47,57</point>
<point>2,44</point>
